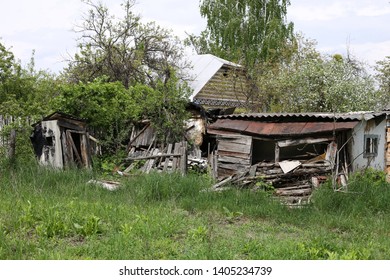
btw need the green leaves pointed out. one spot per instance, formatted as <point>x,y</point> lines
<point>312,82</point>
<point>247,31</point>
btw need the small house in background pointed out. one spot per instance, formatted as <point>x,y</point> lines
<point>61,140</point>
<point>218,83</point>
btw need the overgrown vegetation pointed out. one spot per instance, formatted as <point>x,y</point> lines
<point>51,214</point>
<point>126,71</point>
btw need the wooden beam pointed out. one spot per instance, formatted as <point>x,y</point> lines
<point>153,157</point>
<point>295,142</point>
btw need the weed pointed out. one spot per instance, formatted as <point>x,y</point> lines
<point>199,234</point>
<point>232,216</point>
<point>53,214</point>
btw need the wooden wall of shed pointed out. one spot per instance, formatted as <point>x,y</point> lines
<point>227,84</point>
<point>142,136</point>
<point>234,154</point>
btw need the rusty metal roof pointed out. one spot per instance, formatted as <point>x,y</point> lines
<point>352,116</point>
<point>278,128</point>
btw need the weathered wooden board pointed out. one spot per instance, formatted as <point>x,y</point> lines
<point>235,160</point>
<point>234,154</point>
<point>234,147</point>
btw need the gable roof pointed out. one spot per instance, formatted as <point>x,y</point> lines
<point>203,69</point>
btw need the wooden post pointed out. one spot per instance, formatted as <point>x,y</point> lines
<point>169,150</point>
<point>12,146</point>
<point>277,152</point>
<point>176,150</point>
<point>183,158</point>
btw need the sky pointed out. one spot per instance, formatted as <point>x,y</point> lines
<point>46,26</point>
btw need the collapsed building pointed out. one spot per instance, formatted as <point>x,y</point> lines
<point>293,152</point>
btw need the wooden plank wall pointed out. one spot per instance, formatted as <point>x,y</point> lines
<point>226,84</point>
<point>234,154</point>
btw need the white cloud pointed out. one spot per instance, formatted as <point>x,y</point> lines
<point>373,11</point>
<point>314,11</point>
<point>302,10</point>
<point>372,52</point>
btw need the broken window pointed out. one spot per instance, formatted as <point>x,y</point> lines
<point>371,145</point>
<point>50,141</point>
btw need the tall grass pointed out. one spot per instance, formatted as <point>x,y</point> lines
<point>54,214</point>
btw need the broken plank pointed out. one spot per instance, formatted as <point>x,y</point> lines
<point>175,159</point>
<point>169,150</point>
<point>223,182</point>
<point>297,192</point>
<point>153,156</point>
<point>287,143</point>
<point>233,160</point>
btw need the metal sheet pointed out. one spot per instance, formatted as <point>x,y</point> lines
<point>283,128</point>
<point>232,125</point>
<point>275,117</point>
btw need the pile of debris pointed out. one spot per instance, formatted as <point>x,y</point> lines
<point>293,181</point>
<point>172,158</point>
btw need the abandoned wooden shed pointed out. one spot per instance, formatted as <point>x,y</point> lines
<point>61,140</point>
<point>291,151</point>
<point>218,83</point>
<point>143,135</point>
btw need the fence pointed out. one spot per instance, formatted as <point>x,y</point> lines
<point>9,127</point>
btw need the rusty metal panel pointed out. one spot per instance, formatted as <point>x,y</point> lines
<point>233,125</point>
<point>288,128</point>
<point>318,127</point>
<point>351,116</point>
<point>220,132</point>
<point>283,128</point>
<point>260,128</point>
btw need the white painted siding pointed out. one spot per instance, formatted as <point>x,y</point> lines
<point>52,154</point>
<point>359,161</point>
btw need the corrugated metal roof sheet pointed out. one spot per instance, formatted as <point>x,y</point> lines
<point>278,128</point>
<point>203,69</point>
<point>352,116</point>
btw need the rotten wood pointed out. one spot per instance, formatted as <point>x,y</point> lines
<point>169,150</point>
<point>153,156</point>
<point>135,138</point>
<point>295,142</point>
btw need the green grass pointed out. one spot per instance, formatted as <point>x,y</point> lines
<point>49,214</point>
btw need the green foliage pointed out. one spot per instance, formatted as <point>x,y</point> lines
<point>232,216</point>
<point>164,106</point>
<point>265,186</point>
<point>109,108</point>
<point>248,31</point>
<point>52,214</point>
<point>24,92</point>
<point>123,49</point>
<point>312,82</point>
<point>368,192</point>
<point>383,76</point>
<point>24,154</point>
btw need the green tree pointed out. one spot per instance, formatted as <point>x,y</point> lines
<point>383,77</point>
<point>314,82</point>
<point>105,105</point>
<point>123,49</point>
<point>24,92</point>
<point>164,106</point>
<point>110,108</point>
<point>245,31</point>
